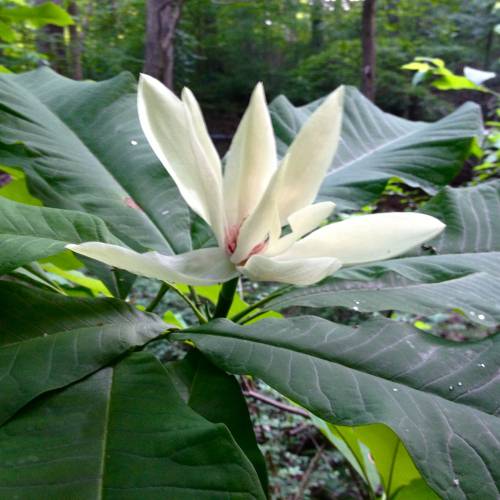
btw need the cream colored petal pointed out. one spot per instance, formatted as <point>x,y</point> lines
<point>304,167</point>
<point>301,222</point>
<point>202,133</point>
<point>263,226</point>
<point>367,238</point>
<point>174,132</point>
<point>300,272</point>
<point>251,160</point>
<point>199,267</point>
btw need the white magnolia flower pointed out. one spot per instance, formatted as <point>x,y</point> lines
<point>249,205</point>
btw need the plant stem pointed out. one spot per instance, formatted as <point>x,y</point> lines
<point>260,303</point>
<point>190,303</point>
<point>226,297</point>
<point>164,289</point>
<point>194,296</point>
<point>161,292</point>
<point>252,317</point>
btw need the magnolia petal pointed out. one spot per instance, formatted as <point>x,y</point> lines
<point>304,167</point>
<point>199,267</point>
<point>176,133</point>
<point>251,160</point>
<point>301,222</point>
<point>202,134</point>
<point>261,229</point>
<point>300,272</point>
<point>368,238</point>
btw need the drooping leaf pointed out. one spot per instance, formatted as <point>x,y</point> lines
<point>459,270</point>
<point>122,433</point>
<point>82,148</point>
<point>441,398</point>
<point>48,341</point>
<point>29,233</point>
<point>376,146</point>
<point>217,396</point>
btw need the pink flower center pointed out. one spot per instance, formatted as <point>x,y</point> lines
<point>232,234</point>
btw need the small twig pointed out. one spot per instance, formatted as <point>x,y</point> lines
<point>276,404</point>
<point>307,474</point>
<point>299,428</point>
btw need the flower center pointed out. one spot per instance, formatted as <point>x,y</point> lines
<point>232,234</point>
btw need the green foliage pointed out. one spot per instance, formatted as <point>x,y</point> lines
<point>434,70</point>
<point>461,265</point>
<point>18,20</point>
<point>60,340</point>
<point>377,146</point>
<point>396,376</point>
<point>89,134</point>
<point>412,413</point>
<point>122,419</point>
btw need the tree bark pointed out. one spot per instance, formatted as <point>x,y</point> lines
<point>162,19</point>
<point>75,43</point>
<point>369,49</point>
<point>316,24</point>
<point>489,36</point>
<point>50,41</point>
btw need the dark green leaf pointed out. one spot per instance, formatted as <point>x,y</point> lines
<point>376,146</point>
<point>441,398</point>
<point>460,269</point>
<point>29,233</point>
<point>123,433</point>
<point>83,149</point>
<point>217,396</point>
<point>48,341</point>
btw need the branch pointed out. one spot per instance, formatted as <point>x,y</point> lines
<point>307,474</point>
<point>276,404</point>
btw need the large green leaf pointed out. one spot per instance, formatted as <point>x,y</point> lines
<point>48,341</point>
<point>29,233</point>
<point>82,148</point>
<point>217,396</point>
<point>461,270</point>
<point>376,146</point>
<point>123,433</point>
<point>441,398</point>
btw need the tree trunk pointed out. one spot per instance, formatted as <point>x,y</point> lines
<point>489,36</point>
<point>162,19</point>
<point>75,43</point>
<point>369,48</point>
<point>316,24</point>
<point>50,41</point>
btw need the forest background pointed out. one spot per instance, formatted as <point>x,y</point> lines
<point>300,48</point>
